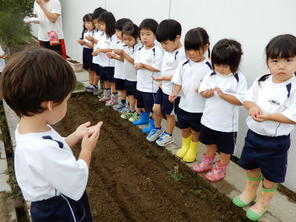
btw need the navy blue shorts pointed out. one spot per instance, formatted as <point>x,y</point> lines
<point>166,106</point>
<point>145,100</point>
<point>225,141</point>
<point>107,73</point>
<point>87,59</point>
<point>188,120</point>
<point>131,88</point>
<point>97,68</point>
<point>119,84</point>
<point>61,209</point>
<point>267,153</point>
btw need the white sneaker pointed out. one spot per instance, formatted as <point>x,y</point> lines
<point>154,134</point>
<point>164,139</point>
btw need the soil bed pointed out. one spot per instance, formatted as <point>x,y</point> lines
<point>133,180</point>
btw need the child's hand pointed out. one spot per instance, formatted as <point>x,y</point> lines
<point>219,91</point>
<point>139,66</point>
<point>82,130</point>
<point>81,41</point>
<point>110,55</point>
<point>118,51</point>
<point>255,113</point>
<point>262,118</point>
<point>208,93</point>
<point>172,97</point>
<point>90,138</point>
<point>88,37</point>
<point>40,2</point>
<point>96,52</point>
<point>3,56</point>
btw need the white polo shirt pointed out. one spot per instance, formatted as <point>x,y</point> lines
<point>46,167</point>
<point>169,66</point>
<point>273,98</point>
<point>129,69</point>
<point>2,61</point>
<point>45,26</point>
<point>98,34</point>
<point>106,42</point>
<point>152,57</point>
<point>189,75</point>
<point>219,114</point>
<point>118,70</point>
<point>87,33</point>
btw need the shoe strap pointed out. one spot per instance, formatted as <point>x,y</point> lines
<point>259,178</point>
<point>273,189</point>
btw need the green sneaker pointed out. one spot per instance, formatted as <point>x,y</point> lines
<point>126,115</point>
<point>135,116</point>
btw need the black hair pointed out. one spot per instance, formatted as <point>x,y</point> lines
<point>121,22</point>
<point>97,12</point>
<point>227,52</point>
<point>55,77</point>
<point>168,29</point>
<point>196,39</point>
<point>86,18</point>
<point>131,29</point>
<point>281,46</point>
<point>109,20</point>
<point>149,24</point>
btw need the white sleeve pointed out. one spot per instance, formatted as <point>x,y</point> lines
<point>64,172</point>
<point>290,111</point>
<point>241,89</point>
<point>177,77</point>
<point>157,59</point>
<point>35,9</point>
<point>205,84</point>
<point>251,92</point>
<point>56,7</point>
<point>1,51</point>
<point>137,56</point>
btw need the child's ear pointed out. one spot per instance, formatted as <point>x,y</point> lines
<point>178,37</point>
<point>48,105</point>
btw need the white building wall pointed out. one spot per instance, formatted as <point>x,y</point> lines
<point>253,23</point>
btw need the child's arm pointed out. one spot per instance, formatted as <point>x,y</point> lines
<point>111,55</point>
<point>277,117</point>
<point>51,16</point>
<point>227,97</point>
<point>254,110</point>
<point>162,78</point>
<point>125,56</point>
<point>3,56</point>
<point>83,42</point>
<point>145,66</point>
<point>176,90</point>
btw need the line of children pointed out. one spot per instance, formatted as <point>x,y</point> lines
<point>168,33</point>
<point>46,170</point>
<point>224,89</point>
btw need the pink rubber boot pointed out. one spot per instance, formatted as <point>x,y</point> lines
<point>217,173</point>
<point>205,165</point>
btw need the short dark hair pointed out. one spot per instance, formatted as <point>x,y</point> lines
<point>97,12</point>
<point>109,20</point>
<point>196,39</point>
<point>34,76</point>
<point>281,46</point>
<point>168,29</point>
<point>149,24</point>
<point>121,22</point>
<point>131,29</point>
<point>227,52</point>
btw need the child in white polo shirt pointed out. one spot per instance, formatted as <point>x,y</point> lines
<point>148,64</point>
<point>186,80</point>
<point>168,33</point>
<point>271,102</point>
<point>46,170</point>
<point>224,89</point>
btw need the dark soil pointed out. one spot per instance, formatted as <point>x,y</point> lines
<point>133,180</point>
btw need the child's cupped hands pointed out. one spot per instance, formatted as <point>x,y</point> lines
<point>91,137</point>
<point>256,114</point>
<point>208,93</point>
<point>118,51</point>
<point>80,41</point>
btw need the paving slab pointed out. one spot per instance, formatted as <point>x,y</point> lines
<point>4,186</point>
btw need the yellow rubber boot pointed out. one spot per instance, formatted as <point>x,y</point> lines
<point>185,146</point>
<point>190,155</point>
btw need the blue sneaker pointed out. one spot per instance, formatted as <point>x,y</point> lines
<point>149,127</point>
<point>154,134</point>
<point>144,119</point>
